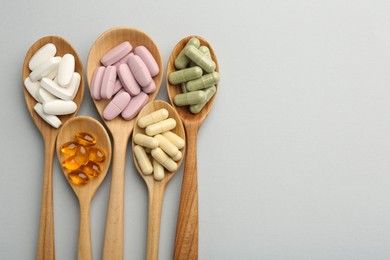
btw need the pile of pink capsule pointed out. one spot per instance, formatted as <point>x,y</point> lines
<point>126,78</point>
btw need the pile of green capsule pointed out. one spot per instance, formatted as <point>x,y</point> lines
<point>196,74</point>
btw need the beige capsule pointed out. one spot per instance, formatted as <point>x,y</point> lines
<point>143,160</point>
<point>177,157</point>
<point>158,171</point>
<point>146,141</point>
<point>164,159</point>
<point>168,147</point>
<point>153,118</point>
<point>160,127</point>
<point>175,139</point>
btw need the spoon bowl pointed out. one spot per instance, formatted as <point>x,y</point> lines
<point>156,188</point>
<point>186,243</point>
<point>46,227</point>
<point>120,130</point>
<point>85,192</point>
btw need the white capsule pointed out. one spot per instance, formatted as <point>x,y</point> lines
<point>66,69</point>
<point>32,88</point>
<point>168,147</point>
<point>146,141</point>
<point>158,171</point>
<point>143,160</point>
<point>153,118</point>
<point>160,127</point>
<point>50,119</point>
<point>59,107</point>
<point>67,93</point>
<point>45,68</point>
<point>175,139</point>
<point>43,54</point>
<point>164,159</point>
<point>45,96</point>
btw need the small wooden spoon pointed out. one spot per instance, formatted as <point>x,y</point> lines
<point>120,130</point>
<point>49,134</point>
<point>85,192</point>
<point>186,244</point>
<point>156,188</point>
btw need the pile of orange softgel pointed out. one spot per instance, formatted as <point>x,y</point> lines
<point>82,158</point>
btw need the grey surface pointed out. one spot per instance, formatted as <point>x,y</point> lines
<point>293,160</point>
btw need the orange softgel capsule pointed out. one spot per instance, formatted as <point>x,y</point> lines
<point>85,138</point>
<point>70,164</point>
<point>69,148</point>
<point>81,155</point>
<point>78,177</point>
<point>96,155</point>
<point>92,169</point>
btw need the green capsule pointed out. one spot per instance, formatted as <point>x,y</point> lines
<point>183,87</point>
<point>182,60</point>
<point>199,58</point>
<point>203,82</point>
<point>184,75</point>
<point>195,109</point>
<point>205,50</point>
<point>190,98</point>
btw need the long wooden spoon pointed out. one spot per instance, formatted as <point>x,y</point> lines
<point>156,188</point>
<point>186,243</point>
<point>85,192</point>
<point>120,130</point>
<point>49,134</point>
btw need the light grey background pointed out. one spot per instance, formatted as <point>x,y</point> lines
<point>293,160</point>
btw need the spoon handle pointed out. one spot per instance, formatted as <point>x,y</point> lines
<point>156,197</point>
<point>186,243</point>
<point>85,245</point>
<point>113,240</point>
<point>46,224</point>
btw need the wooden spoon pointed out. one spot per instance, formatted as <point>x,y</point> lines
<point>85,192</point>
<point>186,244</point>
<point>120,130</point>
<point>156,188</point>
<point>49,134</point>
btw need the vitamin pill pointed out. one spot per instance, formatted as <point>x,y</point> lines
<point>64,93</point>
<point>45,68</point>
<point>32,88</point>
<point>158,171</point>
<point>46,52</point>
<point>108,82</point>
<point>97,82</point>
<point>116,53</point>
<point>166,145</point>
<point>52,120</point>
<point>182,60</point>
<point>135,105</point>
<point>116,106</point>
<point>81,156</point>
<point>205,50</point>
<point>153,117</point>
<point>96,155</point>
<point>205,81</point>
<point>78,177</point>
<point>150,89</point>
<point>146,141</point>
<point>175,139</point>
<point>92,169</point>
<point>85,139</point>
<point>184,75</point>
<point>45,96</point>
<point>139,70</point>
<point>66,69</point>
<point>199,58</point>
<point>160,127</point>
<point>69,148</point>
<point>177,157</point>
<point>190,98</point>
<point>209,94</point>
<point>128,81</point>
<point>148,59</point>
<point>59,107</point>
<point>70,164</point>
<point>164,160</point>
<point>143,160</point>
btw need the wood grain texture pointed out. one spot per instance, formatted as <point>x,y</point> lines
<point>156,189</point>
<point>46,226</point>
<point>85,192</point>
<point>120,130</point>
<point>186,243</point>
